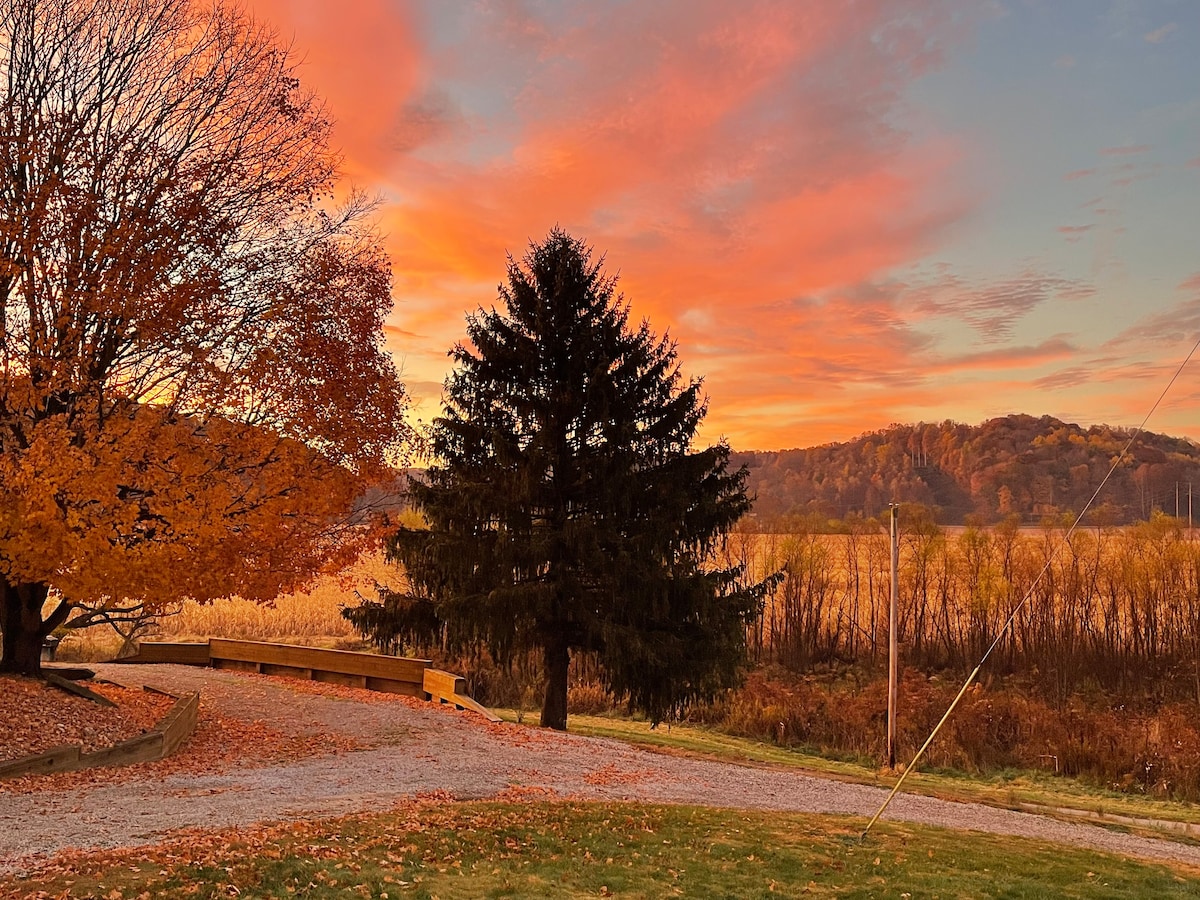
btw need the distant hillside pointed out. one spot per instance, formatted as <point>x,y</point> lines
<point>1016,464</point>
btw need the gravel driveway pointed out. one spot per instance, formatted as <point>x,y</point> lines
<point>411,749</point>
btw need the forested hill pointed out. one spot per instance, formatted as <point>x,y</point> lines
<point>1015,464</point>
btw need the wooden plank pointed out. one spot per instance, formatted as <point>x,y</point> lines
<point>59,759</point>
<point>236,665</point>
<point>345,679</point>
<point>144,748</point>
<point>77,689</point>
<point>344,661</point>
<point>464,702</point>
<point>174,728</point>
<point>289,671</point>
<point>70,672</point>
<point>446,687</point>
<point>392,674</point>
<point>387,686</point>
<point>443,685</point>
<point>184,654</point>
<point>177,726</point>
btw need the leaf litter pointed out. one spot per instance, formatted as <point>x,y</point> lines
<point>248,720</point>
<point>36,716</point>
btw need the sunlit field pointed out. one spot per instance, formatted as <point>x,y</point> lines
<point>313,617</point>
<point>1114,608</point>
<point>1096,674</point>
<point>1096,678</point>
<point>301,618</point>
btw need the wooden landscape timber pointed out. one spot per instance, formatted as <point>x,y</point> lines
<point>388,674</point>
<point>182,654</point>
<point>446,687</point>
<point>161,741</point>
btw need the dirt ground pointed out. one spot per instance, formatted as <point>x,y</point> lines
<point>271,749</point>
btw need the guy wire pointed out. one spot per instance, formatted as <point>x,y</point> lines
<point>1029,594</point>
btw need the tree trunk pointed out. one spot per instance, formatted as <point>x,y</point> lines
<point>557,663</point>
<point>23,628</point>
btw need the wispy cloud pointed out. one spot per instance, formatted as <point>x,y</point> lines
<point>1050,350</point>
<point>1173,325</point>
<point>1178,323</point>
<point>994,309</point>
<point>1073,233</point>
<point>1128,150</point>
<point>1097,368</point>
<point>1158,35</point>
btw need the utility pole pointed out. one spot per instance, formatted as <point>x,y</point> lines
<point>893,629</point>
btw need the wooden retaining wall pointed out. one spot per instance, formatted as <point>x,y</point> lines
<point>163,740</point>
<point>390,674</point>
<point>189,654</point>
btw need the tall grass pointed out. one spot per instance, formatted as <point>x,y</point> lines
<point>1117,610</point>
<point>1100,676</point>
<point>312,617</point>
<point>997,726</point>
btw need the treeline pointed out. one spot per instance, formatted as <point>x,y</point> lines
<point>1117,609</point>
<point>1015,465</point>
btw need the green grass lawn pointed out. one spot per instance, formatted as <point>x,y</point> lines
<point>1008,789</point>
<point>457,851</point>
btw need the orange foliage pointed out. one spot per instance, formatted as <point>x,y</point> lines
<point>1013,465</point>
<point>154,508</point>
<point>193,387</point>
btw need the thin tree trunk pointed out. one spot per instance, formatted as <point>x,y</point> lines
<point>23,627</point>
<point>557,664</point>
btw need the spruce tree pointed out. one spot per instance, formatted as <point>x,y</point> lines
<point>567,510</point>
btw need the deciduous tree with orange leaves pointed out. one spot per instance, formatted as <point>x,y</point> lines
<point>192,380</point>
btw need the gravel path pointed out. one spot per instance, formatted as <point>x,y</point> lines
<point>413,749</point>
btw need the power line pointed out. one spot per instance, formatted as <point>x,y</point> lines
<point>1028,594</point>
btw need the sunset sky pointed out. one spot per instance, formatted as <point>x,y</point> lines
<point>847,214</point>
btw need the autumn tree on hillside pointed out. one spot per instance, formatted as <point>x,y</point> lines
<point>192,378</point>
<point>1017,464</point>
<point>567,510</point>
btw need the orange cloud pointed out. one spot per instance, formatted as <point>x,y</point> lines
<point>739,166</point>
<point>363,60</point>
<point>1051,350</point>
<point>1158,35</point>
<point>728,162</point>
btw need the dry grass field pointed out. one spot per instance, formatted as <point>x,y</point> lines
<point>312,617</point>
<point>1117,608</point>
<point>1098,672</point>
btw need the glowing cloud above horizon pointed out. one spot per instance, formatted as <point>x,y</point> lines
<point>824,204</point>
